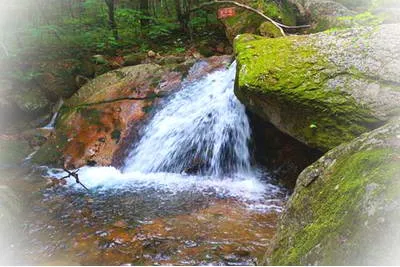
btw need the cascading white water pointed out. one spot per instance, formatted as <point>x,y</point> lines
<point>203,127</point>
<point>197,141</point>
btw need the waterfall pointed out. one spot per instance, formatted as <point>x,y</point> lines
<point>202,129</point>
<point>52,122</point>
<point>196,141</point>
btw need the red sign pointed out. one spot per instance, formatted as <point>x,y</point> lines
<point>226,12</point>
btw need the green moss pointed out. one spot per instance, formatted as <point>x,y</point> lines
<point>332,209</point>
<point>116,135</point>
<point>63,115</point>
<point>51,152</point>
<point>283,12</point>
<point>155,81</point>
<point>249,22</point>
<point>92,115</point>
<point>268,29</point>
<point>325,24</point>
<point>148,108</point>
<point>287,77</point>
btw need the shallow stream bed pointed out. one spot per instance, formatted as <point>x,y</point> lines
<point>141,225</point>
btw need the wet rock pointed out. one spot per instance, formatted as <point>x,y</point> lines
<point>170,60</point>
<point>151,54</point>
<point>120,224</point>
<point>94,124</point>
<point>133,59</point>
<point>58,79</point>
<point>282,155</point>
<point>317,92</point>
<point>350,212</point>
<point>31,101</point>
<point>207,65</point>
<point>99,59</point>
<point>101,121</point>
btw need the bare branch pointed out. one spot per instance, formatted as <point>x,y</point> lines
<point>278,25</point>
<point>73,174</point>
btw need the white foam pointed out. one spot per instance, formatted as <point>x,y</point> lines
<point>202,124</point>
<point>105,178</point>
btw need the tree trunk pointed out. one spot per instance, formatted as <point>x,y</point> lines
<point>111,18</point>
<point>144,8</point>
<point>183,16</point>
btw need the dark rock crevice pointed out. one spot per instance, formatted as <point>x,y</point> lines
<point>284,156</point>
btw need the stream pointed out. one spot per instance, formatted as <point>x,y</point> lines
<point>188,194</point>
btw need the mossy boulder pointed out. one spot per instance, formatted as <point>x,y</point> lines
<point>323,89</point>
<point>57,78</point>
<point>133,59</point>
<point>267,29</point>
<point>248,22</point>
<point>128,82</point>
<point>31,101</point>
<point>345,209</point>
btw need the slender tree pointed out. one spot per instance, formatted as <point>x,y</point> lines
<point>182,8</point>
<point>144,8</point>
<point>111,17</point>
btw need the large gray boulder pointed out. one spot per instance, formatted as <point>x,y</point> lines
<point>322,89</point>
<point>346,206</point>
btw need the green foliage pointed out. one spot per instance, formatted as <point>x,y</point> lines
<point>161,30</point>
<point>60,29</point>
<point>180,49</point>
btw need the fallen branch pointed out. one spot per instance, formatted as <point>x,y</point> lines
<point>278,25</point>
<point>73,174</point>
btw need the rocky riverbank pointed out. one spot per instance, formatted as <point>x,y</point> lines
<point>337,92</point>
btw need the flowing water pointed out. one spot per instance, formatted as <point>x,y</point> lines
<point>188,193</point>
<point>53,119</point>
<point>203,127</point>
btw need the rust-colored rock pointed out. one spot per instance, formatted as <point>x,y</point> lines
<point>95,133</point>
<point>98,124</point>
